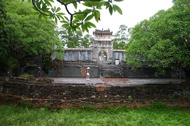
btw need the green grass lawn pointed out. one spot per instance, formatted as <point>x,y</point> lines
<point>88,116</point>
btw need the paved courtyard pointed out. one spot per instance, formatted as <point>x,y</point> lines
<point>78,81</point>
<point>116,81</point>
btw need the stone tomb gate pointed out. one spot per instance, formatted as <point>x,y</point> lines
<point>76,60</point>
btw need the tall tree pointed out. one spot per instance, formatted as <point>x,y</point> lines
<point>71,39</point>
<point>163,40</point>
<point>3,33</point>
<point>29,35</point>
<point>75,39</point>
<point>86,41</point>
<point>121,37</point>
<point>4,36</point>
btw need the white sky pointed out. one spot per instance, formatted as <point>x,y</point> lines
<point>134,11</point>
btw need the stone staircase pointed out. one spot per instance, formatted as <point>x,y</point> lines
<point>111,70</point>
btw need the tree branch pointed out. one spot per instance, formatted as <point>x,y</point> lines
<point>65,4</point>
<point>34,4</point>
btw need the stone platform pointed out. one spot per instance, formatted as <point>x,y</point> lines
<point>116,81</point>
<point>78,81</point>
<point>97,92</point>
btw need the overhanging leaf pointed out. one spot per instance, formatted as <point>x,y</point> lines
<point>90,24</point>
<point>89,17</point>
<point>97,15</point>
<point>117,8</point>
<point>111,9</point>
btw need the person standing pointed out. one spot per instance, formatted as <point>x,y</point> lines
<point>88,73</point>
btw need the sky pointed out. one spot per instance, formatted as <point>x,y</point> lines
<point>134,11</point>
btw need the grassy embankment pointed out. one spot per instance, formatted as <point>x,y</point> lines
<point>157,115</point>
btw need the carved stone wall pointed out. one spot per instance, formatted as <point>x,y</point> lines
<point>79,54</point>
<point>119,55</point>
<point>76,54</point>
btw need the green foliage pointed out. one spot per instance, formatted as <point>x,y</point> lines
<point>129,98</point>
<point>27,35</point>
<point>88,108</point>
<point>163,40</point>
<point>47,64</point>
<point>158,105</point>
<point>74,18</point>
<point>19,116</point>
<point>86,41</point>
<point>121,37</point>
<point>3,35</point>
<point>71,39</point>
<point>75,39</point>
<point>26,76</point>
<point>119,45</point>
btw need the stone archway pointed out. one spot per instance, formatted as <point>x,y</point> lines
<point>102,56</point>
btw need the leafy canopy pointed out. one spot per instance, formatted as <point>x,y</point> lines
<point>121,37</point>
<point>163,40</point>
<point>75,39</point>
<point>72,16</point>
<point>28,35</point>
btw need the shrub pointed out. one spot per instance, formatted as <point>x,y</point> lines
<point>26,76</point>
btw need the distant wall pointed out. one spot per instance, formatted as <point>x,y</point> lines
<point>119,55</point>
<point>75,54</point>
<point>85,54</point>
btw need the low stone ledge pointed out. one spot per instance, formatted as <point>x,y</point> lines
<point>63,96</point>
